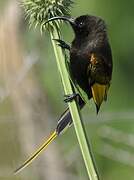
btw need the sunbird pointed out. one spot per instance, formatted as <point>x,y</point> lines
<point>90,67</point>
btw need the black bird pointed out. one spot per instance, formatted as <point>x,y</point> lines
<point>90,67</point>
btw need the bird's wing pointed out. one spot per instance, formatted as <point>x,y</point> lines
<point>99,93</point>
<point>100,85</point>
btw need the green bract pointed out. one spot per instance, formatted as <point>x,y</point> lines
<point>39,11</point>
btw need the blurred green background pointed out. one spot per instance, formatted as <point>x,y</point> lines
<point>31,98</point>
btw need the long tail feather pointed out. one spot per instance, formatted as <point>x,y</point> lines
<point>36,154</point>
<point>64,121</point>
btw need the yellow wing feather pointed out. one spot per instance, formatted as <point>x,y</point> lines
<point>99,93</point>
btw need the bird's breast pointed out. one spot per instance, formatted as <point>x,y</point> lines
<point>78,67</point>
<point>79,63</point>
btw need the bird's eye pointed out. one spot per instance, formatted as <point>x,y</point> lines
<point>80,24</point>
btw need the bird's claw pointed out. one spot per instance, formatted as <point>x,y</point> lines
<point>62,44</point>
<point>70,97</point>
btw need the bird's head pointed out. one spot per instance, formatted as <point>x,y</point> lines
<point>84,25</point>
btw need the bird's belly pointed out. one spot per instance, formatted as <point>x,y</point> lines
<point>78,68</point>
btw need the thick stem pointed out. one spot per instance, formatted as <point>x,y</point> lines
<point>85,149</point>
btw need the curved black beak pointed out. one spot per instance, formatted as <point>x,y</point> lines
<point>69,19</point>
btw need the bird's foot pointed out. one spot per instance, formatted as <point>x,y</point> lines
<point>70,97</point>
<point>62,44</point>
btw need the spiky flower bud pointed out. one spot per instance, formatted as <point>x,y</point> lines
<point>39,11</point>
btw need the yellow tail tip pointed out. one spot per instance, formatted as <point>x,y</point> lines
<point>36,153</point>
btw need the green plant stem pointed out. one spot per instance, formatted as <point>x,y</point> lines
<point>74,110</point>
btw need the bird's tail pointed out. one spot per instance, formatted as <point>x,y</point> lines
<point>37,152</point>
<point>64,121</point>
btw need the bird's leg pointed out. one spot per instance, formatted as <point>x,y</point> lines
<point>71,97</point>
<point>62,44</point>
